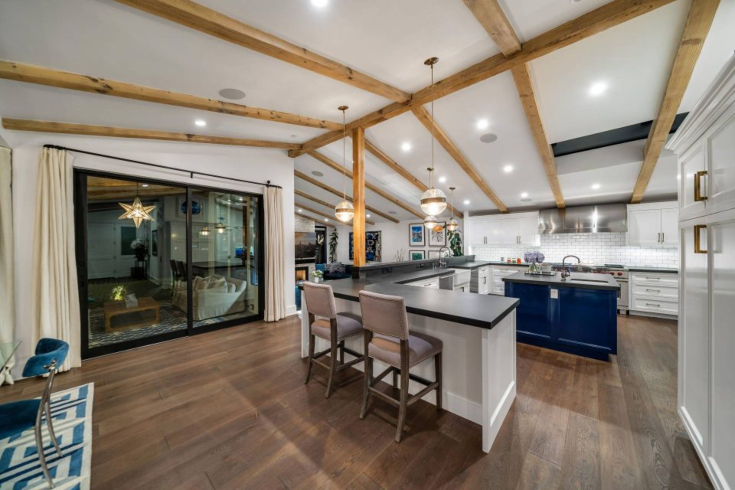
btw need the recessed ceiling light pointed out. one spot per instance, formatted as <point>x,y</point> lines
<point>406,146</point>
<point>466,202</point>
<point>317,173</point>
<point>508,169</point>
<point>526,199</point>
<point>483,124</point>
<point>598,88</point>
<point>488,138</point>
<point>301,210</point>
<point>200,122</point>
<point>144,185</point>
<point>442,179</point>
<point>319,3</point>
<point>575,1</point>
<point>392,212</point>
<point>232,93</point>
<point>367,215</point>
<point>524,194</point>
<point>595,187</point>
<point>326,219</point>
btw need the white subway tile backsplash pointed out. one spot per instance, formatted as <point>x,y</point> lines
<point>596,248</point>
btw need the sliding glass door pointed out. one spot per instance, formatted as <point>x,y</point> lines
<point>159,260</point>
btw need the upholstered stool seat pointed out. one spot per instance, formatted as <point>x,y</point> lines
<point>348,325</point>
<point>388,349</point>
<point>331,326</point>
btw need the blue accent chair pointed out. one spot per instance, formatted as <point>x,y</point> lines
<point>24,414</point>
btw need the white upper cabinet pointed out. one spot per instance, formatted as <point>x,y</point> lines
<point>528,231</point>
<point>705,144</point>
<point>653,224</point>
<point>721,171</point>
<point>505,229</point>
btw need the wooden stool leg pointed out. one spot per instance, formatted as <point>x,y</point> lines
<point>404,403</point>
<point>312,341</point>
<point>332,367</point>
<point>395,378</point>
<point>342,352</point>
<point>438,374</point>
<point>367,376</point>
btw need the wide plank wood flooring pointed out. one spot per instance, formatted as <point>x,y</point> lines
<point>229,410</point>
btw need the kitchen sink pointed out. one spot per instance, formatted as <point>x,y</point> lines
<point>456,280</point>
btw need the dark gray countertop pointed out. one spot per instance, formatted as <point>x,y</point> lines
<point>610,284</point>
<point>474,264</point>
<point>653,269</point>
<point>473,309</point>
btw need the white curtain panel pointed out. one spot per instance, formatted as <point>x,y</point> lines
<point>7,307</point>
<point>55,294</point>
<point>275,267</point>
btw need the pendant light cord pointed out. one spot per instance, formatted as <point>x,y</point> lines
<point>431,174</point>
<point>344,156</point>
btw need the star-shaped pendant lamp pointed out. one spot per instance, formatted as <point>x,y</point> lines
<point>136,212</point>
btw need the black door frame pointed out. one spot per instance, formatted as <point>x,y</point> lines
<point>81,236</point>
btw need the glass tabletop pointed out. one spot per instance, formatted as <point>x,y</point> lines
<point>6,352</point>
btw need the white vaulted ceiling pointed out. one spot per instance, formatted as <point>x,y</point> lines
<point>388,40</point>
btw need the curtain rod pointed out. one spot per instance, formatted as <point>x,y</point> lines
<point>191,173</point>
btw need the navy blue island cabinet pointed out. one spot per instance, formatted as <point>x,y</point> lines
<point>567,316</point>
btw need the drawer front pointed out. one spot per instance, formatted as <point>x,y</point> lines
<point>649,291</point>
<point>654,279</point>
<point>655,306</point>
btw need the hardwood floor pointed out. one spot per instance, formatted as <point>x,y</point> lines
<point>229,410</point>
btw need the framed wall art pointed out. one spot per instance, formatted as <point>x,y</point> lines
<point>438,235</point>
<point>416,235</point>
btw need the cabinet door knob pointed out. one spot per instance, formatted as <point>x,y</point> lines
<point>698,186</point>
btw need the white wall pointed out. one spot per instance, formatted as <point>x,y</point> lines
<point>394,237</point>
<point>244,163</point>
<point>591,248</point>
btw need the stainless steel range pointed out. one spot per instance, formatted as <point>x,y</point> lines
<point>619,272</point>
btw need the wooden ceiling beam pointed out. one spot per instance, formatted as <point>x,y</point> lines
<point>335,166</point>
<point>320,222</point>
<point>524,84</point>
<point>609,15</point>
<point>400,170</point>
<point>318,201</point>
<point>213,23</point>
<point>339,194</point>
<point>495,22</point>
<point>113,132</point>
<point>425,118</point>
<point>319,213</point>
<point>21,72</point>
<point>699,21</point>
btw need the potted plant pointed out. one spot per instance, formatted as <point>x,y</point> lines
<point>118,293</point>
<point>455,242</point>
<point>318,276</point>
<point>333,238</point>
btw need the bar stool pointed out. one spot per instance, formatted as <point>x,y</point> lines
<point>387,339</point>
<point>332,326</point>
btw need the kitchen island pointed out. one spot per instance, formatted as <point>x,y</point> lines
<point>478,332</point>
<point>576,314</point>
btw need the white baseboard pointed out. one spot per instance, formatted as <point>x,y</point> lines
<point>713,471</point>
<point>291,310</point>
<point>463,407</point>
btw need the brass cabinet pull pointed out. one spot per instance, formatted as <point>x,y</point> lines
<point>698,186</point>
<point>698,240</point>
<point>653,304</point>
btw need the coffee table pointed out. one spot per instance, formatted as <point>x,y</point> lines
<point>117,308</point>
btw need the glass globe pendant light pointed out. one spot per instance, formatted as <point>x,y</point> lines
<point>344,210</point>
<point>433,201</point>
<point>452,224</point>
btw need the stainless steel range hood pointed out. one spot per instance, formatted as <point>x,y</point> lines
<point>602,218</point>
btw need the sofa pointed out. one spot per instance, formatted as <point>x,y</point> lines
<point>213,296</point>
<point>335,270</point>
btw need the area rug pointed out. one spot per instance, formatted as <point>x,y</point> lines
<point>71,412</point>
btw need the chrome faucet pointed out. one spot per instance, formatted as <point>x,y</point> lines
<point>564,272</point>
<point>442,258</point>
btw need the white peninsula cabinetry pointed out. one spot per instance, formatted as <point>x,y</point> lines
<point>705,146</point>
